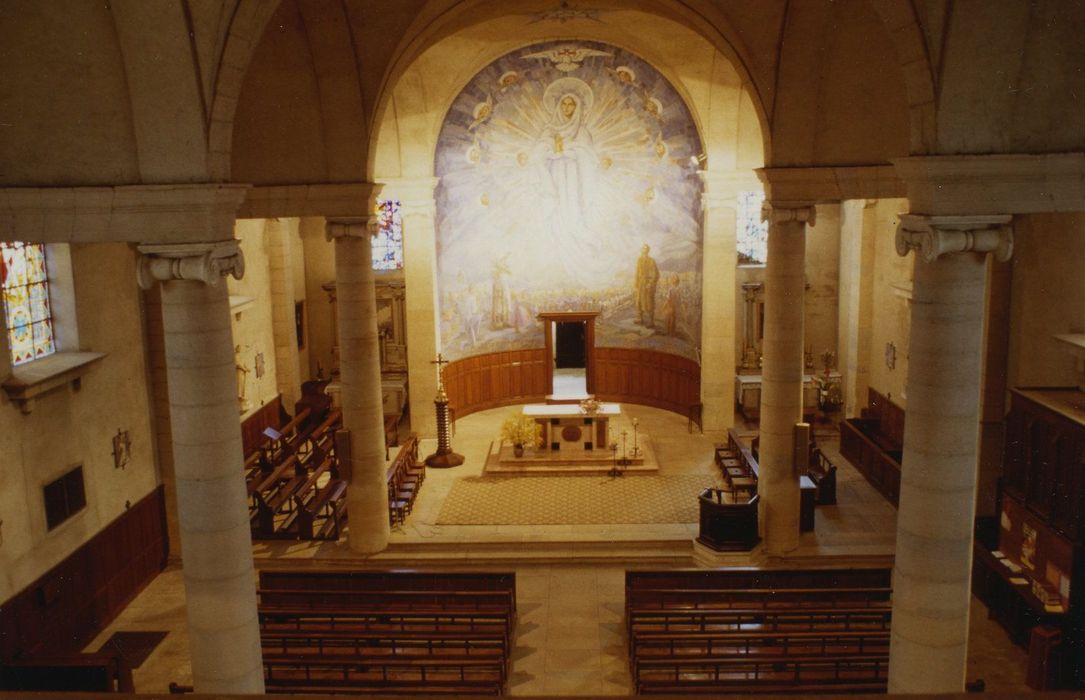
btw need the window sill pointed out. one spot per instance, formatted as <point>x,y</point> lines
<point>28,382</point>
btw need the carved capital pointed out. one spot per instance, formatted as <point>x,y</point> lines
<point>203,262</point>
<point>351,227</point>
<point>788,212</point>
<point>935,236</point>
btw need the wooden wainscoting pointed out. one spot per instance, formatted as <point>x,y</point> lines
<point>75,600</point>
<point>621,374</point>
<point>495,379</point>
<point>648,377</point>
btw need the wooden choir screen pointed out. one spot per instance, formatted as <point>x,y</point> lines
<point>495,379</point>
<point>648,377</point>
<point>623,375</point>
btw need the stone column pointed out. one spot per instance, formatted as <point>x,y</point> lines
<point>283,324</point>
<point>782,373</point>
<point>212,505</point>
<point>929,639</point>
<point>360,377</point>
<point>720,206</point>
<point>419,212</point>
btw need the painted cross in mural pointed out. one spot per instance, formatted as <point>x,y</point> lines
<point>559,163</point>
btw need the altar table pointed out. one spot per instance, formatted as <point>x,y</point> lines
<point>567,426</point>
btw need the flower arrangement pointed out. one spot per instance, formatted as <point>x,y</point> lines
<point>521,430</point>
<point>589,406</point>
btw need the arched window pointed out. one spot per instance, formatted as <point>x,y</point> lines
<point>753,233</point>
<point>388,242</point>
<point>28,317</point>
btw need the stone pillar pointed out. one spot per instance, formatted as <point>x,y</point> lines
<point>782,373</point>
<point>212,505</point>
<point>283,324</point>
<point>720,205</point>
<point>929,639</point>
<point>359,375</point>
<point>858,221</point>
<point>419,212</point>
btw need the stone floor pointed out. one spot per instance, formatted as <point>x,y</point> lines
<point>570,638</point>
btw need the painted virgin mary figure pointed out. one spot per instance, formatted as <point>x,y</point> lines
<point>565,154</point>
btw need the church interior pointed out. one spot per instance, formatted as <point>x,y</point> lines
<point>542,347</point>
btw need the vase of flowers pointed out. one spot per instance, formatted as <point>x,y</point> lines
<point>521,430</point>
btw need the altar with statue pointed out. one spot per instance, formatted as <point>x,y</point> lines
<point>576,438</point>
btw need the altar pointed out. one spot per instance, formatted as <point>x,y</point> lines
<point>569,426</point>
<point>576,442</point>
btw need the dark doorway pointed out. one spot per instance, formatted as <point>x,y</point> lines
<point>569,344</point>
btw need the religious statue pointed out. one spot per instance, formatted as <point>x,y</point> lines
<point>645,288</point>
<point>242,373</point>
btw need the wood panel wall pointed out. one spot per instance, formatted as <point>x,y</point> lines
<point>69,605</point>
<point>647,377</point>
<point>494,379</point>
<point>270,415</point>
<point>621,374</point>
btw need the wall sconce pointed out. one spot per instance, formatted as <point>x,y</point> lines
<point>122,449</point>
<point>890,355</point>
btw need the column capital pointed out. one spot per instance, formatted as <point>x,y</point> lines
<point>935,236</point>
<point>351,227</point>
<point>203,262</point>
<point>415,194</point>
<point>786,212</point>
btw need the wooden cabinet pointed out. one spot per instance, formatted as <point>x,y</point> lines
<point>1035,575</point>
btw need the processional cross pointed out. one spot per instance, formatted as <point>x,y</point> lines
<point>444,456</point>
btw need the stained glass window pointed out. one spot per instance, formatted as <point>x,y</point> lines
<point>388,242</point>
<point>27,315</point>
<point>753,234</point>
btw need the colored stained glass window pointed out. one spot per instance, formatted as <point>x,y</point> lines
<point>388,241</point>
<point>28,317</point>
<point>753,233</point>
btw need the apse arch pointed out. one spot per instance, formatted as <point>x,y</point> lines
<point>421,82</point>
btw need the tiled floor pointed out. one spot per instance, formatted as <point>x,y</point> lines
<point>570,638</point>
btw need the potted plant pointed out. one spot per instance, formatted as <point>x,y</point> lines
<point>521,430</point>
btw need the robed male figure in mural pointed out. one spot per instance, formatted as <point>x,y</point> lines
<point>645,288</point>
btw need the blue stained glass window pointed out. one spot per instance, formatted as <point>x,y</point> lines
<point>28,316</point>
<point>388,242</point>
<point>753,234</point>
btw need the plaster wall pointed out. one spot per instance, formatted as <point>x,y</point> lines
<point>891,306</point>
<point>319,270</point>
<point>295,251</point>
<point>1045,298</point>
<point>70,427</point>
<point>252,328</point>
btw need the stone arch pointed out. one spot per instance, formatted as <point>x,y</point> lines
<point>412,102</point>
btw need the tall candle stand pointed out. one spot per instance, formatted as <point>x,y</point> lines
<point>444,456</point>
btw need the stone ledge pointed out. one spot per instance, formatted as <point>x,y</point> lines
<point>39,377</point>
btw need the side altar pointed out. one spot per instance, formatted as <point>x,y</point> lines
<point>575,441</point>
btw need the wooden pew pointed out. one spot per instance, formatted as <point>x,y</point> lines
<point>386,631</point>
<point>758,631</point>
<point>100,672</point>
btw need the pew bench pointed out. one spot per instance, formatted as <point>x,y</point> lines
<point>390,675</point>
<point>811,674</point>
<point>716,621</point>
<point>687,645</point>
<point>401,642</point>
